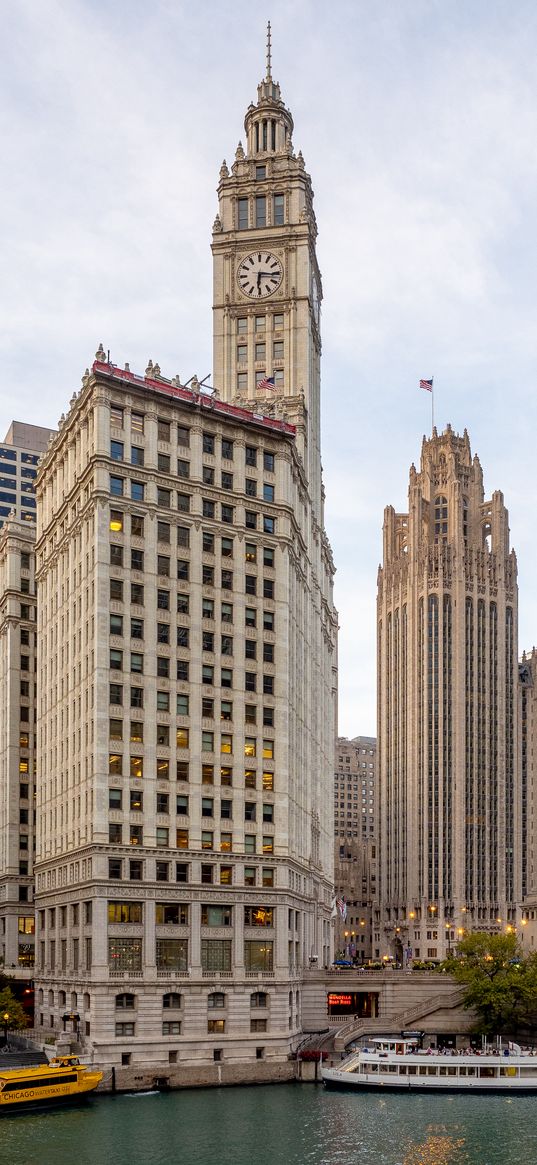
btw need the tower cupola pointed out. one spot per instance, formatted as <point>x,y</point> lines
<point>268,125</point>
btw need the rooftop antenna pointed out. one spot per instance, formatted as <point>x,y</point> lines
<point>269,54</point>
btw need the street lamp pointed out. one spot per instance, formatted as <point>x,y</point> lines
<point>448,926</point>
<point>5,1019</point>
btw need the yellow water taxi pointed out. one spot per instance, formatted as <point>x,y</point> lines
<point>61,1081</point>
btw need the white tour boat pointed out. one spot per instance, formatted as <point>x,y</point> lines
<point>399,1064</point>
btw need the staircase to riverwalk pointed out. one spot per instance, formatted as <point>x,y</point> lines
<point>395,1023</point>
<point>20,1059</point>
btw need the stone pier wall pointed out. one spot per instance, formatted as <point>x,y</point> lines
<point>201,1076</point>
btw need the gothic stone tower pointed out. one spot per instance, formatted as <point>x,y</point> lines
<point>447,684</point>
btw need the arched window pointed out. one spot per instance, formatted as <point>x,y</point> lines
<point>465,518</point>
<point>216,999</point>
<point>74,1000</point>
<point>171,1001</point>
<point>86,1001</point>
<point>259,999</point>
<point>51,999</point>
<point>487,536</point>
<point>61,998</point>
<point>440,519</point>
<point>125,1001</point>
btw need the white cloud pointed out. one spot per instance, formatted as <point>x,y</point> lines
<point>417,120</point>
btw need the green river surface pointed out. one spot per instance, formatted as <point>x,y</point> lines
<point>286,1124</point>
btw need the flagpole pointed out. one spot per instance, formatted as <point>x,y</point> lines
<point>429,386</point>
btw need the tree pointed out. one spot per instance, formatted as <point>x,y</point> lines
<point>501,984</point>
<point>12,1013</point>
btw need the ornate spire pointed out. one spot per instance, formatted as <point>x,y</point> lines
<point>269,54</point>
<point>268,125</point>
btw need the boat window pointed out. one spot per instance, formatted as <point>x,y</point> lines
<point>393,1067</point>
<point>42,1082</point>
<point>372,1067</point>
<point>423,1070</point>
<point>487,1072</point>
<point>412,1071</point>
<point>452,1071</point>
<point>432,1070</point>
<point>384,1067</point>
<point>470,1071</point>
<point>402,1069</point>
<point>462,1071</point>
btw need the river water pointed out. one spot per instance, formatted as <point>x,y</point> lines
<point>288,1124</point>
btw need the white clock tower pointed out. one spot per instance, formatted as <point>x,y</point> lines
<point>267,285</point>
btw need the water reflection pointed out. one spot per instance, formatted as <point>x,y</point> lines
<point>438,1148</point>
<point>287,1124</point>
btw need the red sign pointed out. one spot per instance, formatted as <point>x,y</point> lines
<point>339,1000</point>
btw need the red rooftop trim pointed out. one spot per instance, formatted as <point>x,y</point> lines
<point>202,399</point>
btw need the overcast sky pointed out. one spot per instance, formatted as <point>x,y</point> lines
<point>418,123</point>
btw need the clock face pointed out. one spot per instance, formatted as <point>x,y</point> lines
<point>259,274</point>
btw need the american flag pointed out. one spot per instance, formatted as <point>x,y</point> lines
<point>427,385</point>
<point>342,907</point>
<point>267,382</point>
